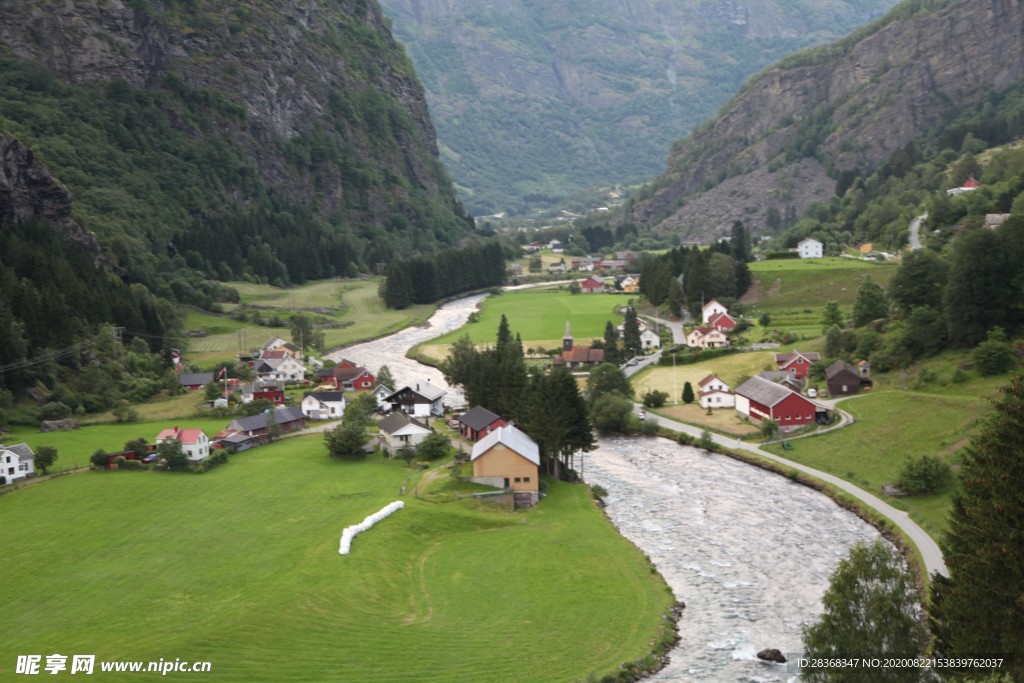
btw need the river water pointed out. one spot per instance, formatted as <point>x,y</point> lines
<point>748,551</point>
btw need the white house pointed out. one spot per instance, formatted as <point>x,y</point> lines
<point>650,340</point>
<point>398,430</point>
<point>323,405</point>
<point>810,248</point>
<point>381,393</point>
<point>16,462</point>
<point>420,399</point>
<point>710,310</point>
<point>714,393</point>
<point>285,369</point>
<point>194,442</point>
<point>706,338</point>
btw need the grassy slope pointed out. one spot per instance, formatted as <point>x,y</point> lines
<point>356,301</point>
<point>240,567</point>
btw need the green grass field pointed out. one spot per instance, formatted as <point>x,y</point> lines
<point>541,314</point>
<point>355,301</point>
<point>240,567</point>
<point>793,291</point>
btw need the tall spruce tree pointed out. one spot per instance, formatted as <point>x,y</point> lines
<point>980,609</point>
<point>612,354</point>
<point>631,332</point>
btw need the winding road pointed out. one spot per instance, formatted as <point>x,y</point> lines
<point>915,231</point>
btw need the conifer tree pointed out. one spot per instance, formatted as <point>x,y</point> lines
<point>980,609</point>
<point>688,393</point>
<point>631,332</point>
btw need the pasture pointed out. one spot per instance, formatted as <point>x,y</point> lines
<point>794,291</point>
<point>240,567</point>
<point>539,317</point>
<point>354,303</point>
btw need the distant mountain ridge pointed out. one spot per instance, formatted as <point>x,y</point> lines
<point>834,112</point>
<point>535,101</point>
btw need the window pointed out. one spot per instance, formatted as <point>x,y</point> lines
<point>526,480</point>
<point>23,467</point>
<point>519,480</point>
<point>8,459</point>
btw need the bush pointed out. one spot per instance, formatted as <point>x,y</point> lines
<point>55,410</point>
<point>923,474</point>
<point>599,492</point>
<point>655,398</point>
<point>99,459</point>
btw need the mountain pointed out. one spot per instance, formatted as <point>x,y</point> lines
<point>276,141</point>
<point>809,126</point>
<point>536,101</point>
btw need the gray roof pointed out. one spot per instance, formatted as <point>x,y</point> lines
<point>839,366</point>
<point>780,376</point>
<point>764,391</point>
<point>326,396</point>
<point>259,421</point>
<point>22,450</point>
<point>424,389</point>
<point>188,379</point>
<point>397,420</point>
<point>477,418</point>
<point>512,437</point>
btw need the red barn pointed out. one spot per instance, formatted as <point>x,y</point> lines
<point>760,399</point>
<point>796,363</point>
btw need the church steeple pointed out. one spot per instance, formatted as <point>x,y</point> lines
<point>567,338</point>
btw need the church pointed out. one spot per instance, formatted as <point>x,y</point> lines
<point>577,356</point>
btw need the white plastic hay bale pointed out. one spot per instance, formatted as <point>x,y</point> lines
<point>350,532</point>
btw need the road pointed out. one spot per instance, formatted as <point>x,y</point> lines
<point>929,549</point>
<point>678,336</point>
<point>915,231</point>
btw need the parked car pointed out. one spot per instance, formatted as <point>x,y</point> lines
<point>641,415</point>
<point>812,393</point>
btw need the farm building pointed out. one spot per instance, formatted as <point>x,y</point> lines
<point>508,458</point>
<point>758,399</point>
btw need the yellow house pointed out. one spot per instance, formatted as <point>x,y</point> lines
<point>508,458</point>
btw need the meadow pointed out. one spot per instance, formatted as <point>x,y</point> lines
<point>240,567</point>
<point>353,302</point>
<point>539,317</point>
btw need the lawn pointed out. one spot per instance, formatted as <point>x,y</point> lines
<point>539,316</point>
<point>730,369</point>
<point>352,302</point>
<point>240,567</point>
<point>891,426</point>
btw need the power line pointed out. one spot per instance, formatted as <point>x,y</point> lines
<point>54,355</point>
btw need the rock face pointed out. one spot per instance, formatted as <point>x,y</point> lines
<point>849,106</point>
<point>29,192</point>
<point>286,64</point>
<point>543,98</point>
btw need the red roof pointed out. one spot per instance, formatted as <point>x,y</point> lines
<point>707,379</point>
<point>971,182</point>
<point>722,320</point>
<point>182,435</point>
<point>592,283</point>
<point>275,354</point>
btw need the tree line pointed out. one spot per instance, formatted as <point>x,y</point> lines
<point>428,278</point>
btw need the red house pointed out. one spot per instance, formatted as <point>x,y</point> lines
<point>353,378</point>
<point>796,363</point>
<point>592,284</point>
<point>759,399</point>
<point>723,322</point>
<point>478,422</point>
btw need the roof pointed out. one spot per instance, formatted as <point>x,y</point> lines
<point>512,437</point>
<point>787,358</point>
<point>717,317</point>
<point>708,380</point>
<point>764,391</point>
<point>583,354</point>
<point>778,376</point>
<point>838,367</point>
<point>182,435</point>
<point>593,281</point>
<point>808,240</point>
<point>22,450</point>
<point>397,420</point>
<point>478,417</point>
<point>704,330</point>
<point>259,421</point>
<point>710,303</point>
<point>275,354</point>
<point>346,373</point>
<point>325,396</point>
<point>236,438</point>
<point>188,379</point>
<point>424,389</point>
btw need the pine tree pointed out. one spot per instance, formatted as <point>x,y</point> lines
<point>688,393</point>
<point>980,609</point>
<point>612,354</point>
<point>631,332</point>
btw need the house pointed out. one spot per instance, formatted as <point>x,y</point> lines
<point>421,399</point>
<point>193,381</point>
<point>577,356</point>
<point>478,422</point>
<point>970,185</point>
<point>288,419</point>
<point>381,393</point>
<point>353,377</point>
<point>994,220</point>
<point>842,379</point>
<point>592,284</point>
<point>649,339</point>
<point>723,322</point>
<point>16,462</point>
<point>714,393</point>
<point>587,263</point>
<point>758,399</point>
<point>286,369</point>
<point>508,458</point>
<point>238,441</point>
<point>323,405</point>
<point>278,344</point>
<point>557,268</point>
<point>263,390</point>
<point>625,255</point>
<point>706,338</point>
<point>796,363</point>
<point>630,284</point>
<point>194,442</point>
<point>398,430</point>
<point>784,378</point>
<point>554,245</point>
<point>612,264</point>
<point>810,248</point>
<point>711,309</point>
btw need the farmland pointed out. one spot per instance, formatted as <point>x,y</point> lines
<point>240,567</point>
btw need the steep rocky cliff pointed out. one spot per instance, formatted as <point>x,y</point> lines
<point>535,100</point>
<point>299,103</point>
<point>794,129</point>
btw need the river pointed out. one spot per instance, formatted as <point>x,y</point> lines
<point>748,551</point>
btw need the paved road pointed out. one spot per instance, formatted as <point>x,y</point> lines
<point>915,230</point>
<point>678,336</point>
<point>930,552</point>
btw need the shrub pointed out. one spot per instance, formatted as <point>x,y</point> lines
<point>923,474</point>
<point>55,410</point>
<point>654,398</point>
<point>99,459</point>
<point>599,492</point>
